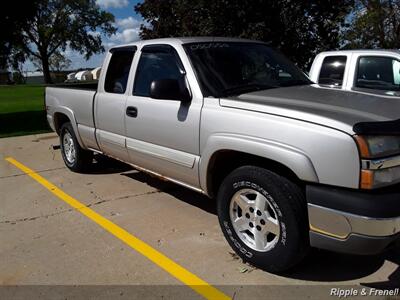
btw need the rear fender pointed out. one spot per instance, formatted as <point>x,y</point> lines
<point>70,114</point>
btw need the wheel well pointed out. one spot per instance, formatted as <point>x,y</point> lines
<point>59,120</point>
<point>225,161</point>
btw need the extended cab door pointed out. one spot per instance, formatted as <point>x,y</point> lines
<point>110,103</point>
<point>163,134</point>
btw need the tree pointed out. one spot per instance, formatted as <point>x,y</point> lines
<point>57,62</point>
<point>58,24</point>
<point>12,18</point>
<point>16,60</point>
<point>298,28</point>
<point>374,24</point>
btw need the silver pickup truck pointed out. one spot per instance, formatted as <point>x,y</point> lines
<point>290,165</point>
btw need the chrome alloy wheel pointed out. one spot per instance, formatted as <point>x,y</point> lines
<point>69,147</point>
<point>254,220</point>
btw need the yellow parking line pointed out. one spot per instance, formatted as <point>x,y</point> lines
<point>179,272</point>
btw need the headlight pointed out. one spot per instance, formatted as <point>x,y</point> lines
<point>380,160</point>
<point>378,146</point>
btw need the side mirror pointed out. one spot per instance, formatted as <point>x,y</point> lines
<point>169,89</point>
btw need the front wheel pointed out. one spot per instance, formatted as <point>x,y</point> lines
<point>75,157</point>
<point>263,217</point>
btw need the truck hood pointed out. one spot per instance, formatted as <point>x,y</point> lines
<point>333,108</point>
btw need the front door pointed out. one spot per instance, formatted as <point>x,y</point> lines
<point>162,134</point>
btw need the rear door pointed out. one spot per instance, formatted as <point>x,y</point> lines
<point>163,134</point>
<point>110,103</point>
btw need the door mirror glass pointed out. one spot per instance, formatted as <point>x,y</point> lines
<point>169,89</point>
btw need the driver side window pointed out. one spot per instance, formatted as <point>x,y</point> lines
<point>155,65</point>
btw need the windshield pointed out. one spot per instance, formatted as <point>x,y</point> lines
<point>232,68</point>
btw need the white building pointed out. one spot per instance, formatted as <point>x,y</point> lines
<point>96,73</point>
<point>71,76</point>
<point>84,75</point>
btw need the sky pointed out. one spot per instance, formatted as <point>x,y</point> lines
<point>127,22</point>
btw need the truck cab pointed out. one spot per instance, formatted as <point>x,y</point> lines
<point>374,72</point>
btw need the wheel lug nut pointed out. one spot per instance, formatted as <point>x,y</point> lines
<point>251,209</point>
<point>258,213</point>
<point>258,227</point>
<point>262,222</point>
<point>251,225</point>
<point>247,216</point>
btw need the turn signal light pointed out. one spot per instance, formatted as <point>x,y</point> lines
<point>367,179</point>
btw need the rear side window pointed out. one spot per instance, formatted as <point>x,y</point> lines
<point>332,71</point>
<point>381,73</point>
<point>154,66</point>
<point>118,71</point>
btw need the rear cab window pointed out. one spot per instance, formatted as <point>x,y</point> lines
<point>332,71</point>
<point>118,70</point>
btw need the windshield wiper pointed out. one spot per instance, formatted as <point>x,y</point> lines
<point>245,88</point>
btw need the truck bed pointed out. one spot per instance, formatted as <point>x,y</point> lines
<point>74,100</point>
<point>87,85</point>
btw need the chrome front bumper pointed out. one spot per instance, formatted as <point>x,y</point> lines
<point>340,224</point>
<point>353,221</point>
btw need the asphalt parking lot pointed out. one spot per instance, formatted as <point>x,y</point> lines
<point>46,242</point>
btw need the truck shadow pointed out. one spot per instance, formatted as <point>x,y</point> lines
<point>318,266</point>
<point>106,165</point>
<point>393,280</point>
<point>178,192</point>
<point>326,266</point>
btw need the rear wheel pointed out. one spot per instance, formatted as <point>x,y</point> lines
<point>263,217</point>
<point>75,157</point>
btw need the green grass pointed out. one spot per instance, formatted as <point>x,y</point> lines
<point>22,110</point>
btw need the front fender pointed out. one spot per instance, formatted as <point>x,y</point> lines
<point>293,158</point>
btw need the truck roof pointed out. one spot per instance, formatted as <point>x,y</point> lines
<point>361,51</point>
<point>186,40</point>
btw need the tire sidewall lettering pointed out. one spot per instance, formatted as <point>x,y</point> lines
<point>235,242</point>
<point>248,184</point>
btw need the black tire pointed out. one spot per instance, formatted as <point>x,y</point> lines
<point>288,201</point>
<point>83,158</point>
